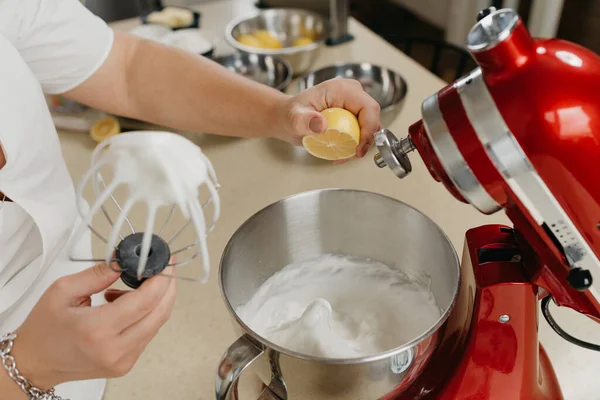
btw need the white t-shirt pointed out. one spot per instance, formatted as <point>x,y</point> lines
<point>46,46</point>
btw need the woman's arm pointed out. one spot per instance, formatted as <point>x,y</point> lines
<point>170,87</point>
<point>152,82</point>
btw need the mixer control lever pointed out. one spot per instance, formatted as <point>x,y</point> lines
<point>580,279</point>
<point>485,12</point>
<point>393,152</point>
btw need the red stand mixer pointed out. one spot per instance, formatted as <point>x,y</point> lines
<point>519,133</point>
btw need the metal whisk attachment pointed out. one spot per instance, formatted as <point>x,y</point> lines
<point>165,172</point>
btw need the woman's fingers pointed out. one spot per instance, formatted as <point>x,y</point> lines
<point>142,332</point>
<point>130,307</point>
<point>349,94</point>
<point>111,295</point>
<point>77,288</point>
<point>344,93</point>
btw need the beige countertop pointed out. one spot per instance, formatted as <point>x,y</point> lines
<point>180,363</point>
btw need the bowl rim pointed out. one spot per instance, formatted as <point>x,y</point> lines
<point>302,78</point>
<point>274,52</point>
<point>431,331</point>
<point>283,85</point>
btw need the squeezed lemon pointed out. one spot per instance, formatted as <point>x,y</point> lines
<point>105,128</point>
<point>339,141</point>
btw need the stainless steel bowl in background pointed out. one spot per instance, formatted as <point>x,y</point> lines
<point>306,226</point>
<point>387,87</point>
<point>287,24</point>
<point>268,70</point>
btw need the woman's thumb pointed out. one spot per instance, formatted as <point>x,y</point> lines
<point>307,121</point>
<point>92,280</point>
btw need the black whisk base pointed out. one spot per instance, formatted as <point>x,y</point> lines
<point>128,257</point>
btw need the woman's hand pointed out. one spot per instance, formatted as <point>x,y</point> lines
<point>65,339</point>
<point>301,113</point>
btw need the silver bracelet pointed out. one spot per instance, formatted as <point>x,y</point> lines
<point>8,362</point>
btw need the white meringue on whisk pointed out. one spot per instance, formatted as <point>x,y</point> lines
<point>158,169</point>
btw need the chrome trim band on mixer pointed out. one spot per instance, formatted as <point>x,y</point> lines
<point>452,160</point>
<point>518,172</point>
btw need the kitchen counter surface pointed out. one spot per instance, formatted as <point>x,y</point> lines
<point>181,362</point>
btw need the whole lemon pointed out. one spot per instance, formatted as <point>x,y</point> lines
<point>249,40</point>
<point>302,41</point>
<point>267,40</point>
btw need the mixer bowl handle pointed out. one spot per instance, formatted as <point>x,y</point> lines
<point>235,360</point>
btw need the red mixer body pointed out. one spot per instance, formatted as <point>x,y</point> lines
<point>546,92</point>
<point>489,348</point>
<point>521,134</point>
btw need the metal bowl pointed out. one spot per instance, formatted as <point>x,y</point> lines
<point>270,71</point>
<point>387,87</point>
<point>307,226</point>
<point>287,24</point>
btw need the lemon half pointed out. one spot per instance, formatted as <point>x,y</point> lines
<point>339,141</point>
<point>105,128</point>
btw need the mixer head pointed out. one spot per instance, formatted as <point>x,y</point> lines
<point>165,172</point>
<point>521,133</point>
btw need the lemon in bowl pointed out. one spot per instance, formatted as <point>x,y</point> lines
<point>268,40</point>
<point>250,40</point>
<point>339,141</point>
<point>281,27</point>
<point>302,41</point>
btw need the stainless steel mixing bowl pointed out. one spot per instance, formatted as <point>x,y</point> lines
<point>268,70</point>
<point>287,24</point>
<point>387,87</point>
<point>312,224</point>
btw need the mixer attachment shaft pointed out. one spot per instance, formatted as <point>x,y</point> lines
<point>393,153</point>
